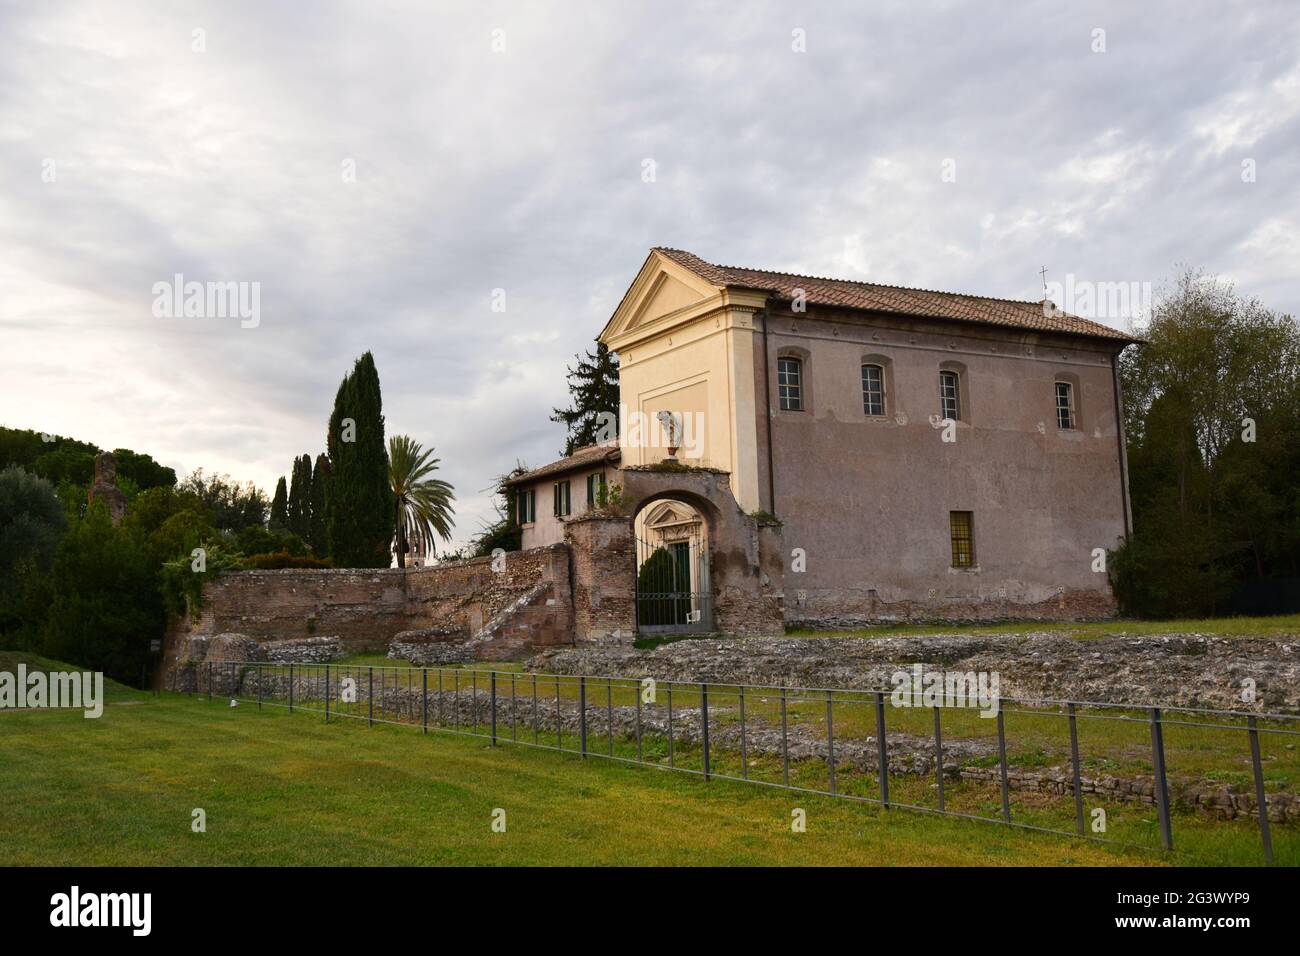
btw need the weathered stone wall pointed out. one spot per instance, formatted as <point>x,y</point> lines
<point>604,579</point>
<point>520,604</point>
<point>868,498</point>
<point>363,608</point>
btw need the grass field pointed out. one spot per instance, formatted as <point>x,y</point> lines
<point>282,789</point>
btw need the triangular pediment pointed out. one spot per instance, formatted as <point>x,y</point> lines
<point>668,513</point>
<point>662,291</point>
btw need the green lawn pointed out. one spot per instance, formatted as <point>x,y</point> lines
<point>289,789</point>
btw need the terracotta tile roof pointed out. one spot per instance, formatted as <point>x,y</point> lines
<point>589,456</point>
<point>925,303</point>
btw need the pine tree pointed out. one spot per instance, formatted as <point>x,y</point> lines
<point>280,507</point>
<point>320,476</point>
<point>593,386</point>
<point>359,508</point>
<point>300,498</point>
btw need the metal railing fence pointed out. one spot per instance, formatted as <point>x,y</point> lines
<point>827,741</point>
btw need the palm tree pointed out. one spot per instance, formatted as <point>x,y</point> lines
<point>423,503</point>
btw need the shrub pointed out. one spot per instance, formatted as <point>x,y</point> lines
<point>182,585</point>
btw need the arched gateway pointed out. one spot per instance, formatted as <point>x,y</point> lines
<point>674,592</point>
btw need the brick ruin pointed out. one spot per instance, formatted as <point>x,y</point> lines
<point>579,592</point>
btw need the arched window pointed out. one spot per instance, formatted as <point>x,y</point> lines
<point>873,390</point>
<point>950,394</point>
<point>789,383</point>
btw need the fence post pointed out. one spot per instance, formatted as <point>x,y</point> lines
<point>424,698</point>
<point>1260,800</point>
<point>1074,764</point>
<point>234,685</point>
<point>582,715</point>
<point>704,724</point>
<point>259,687</point>
<point>327,693</point>
<point>672,760</point>
<point>1002,764</point>
<point>370,696</point>
<point>830,742</point>
<point>785,744</point>
<point>609,712</point>
<point>744,756</point>
<point>1161,784</point>
<point>638,722</point>
<point>291,687</point>
<point>938,753</point>
<point>209,682</point>
<point>492,678</point>
<point>882,750</point>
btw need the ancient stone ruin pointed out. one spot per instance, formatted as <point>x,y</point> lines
<point>104,487</point>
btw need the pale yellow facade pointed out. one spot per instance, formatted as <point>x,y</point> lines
<point>688,348</point>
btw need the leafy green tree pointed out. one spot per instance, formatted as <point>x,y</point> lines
<point>280,507</point>
<point>360,509</point>
<point>422,504</point>
<point>300,498</point>
<point>258,540</point>
<point>179,535</point>
<point>66,463</point>
<point>593,388</point>
<point>141,470</point>
<point>105,604</point>
<point>155,505</point>
<point>1212,451</point>
<point>234,506</point>
<point>320,477</point>
<point>32,522</point>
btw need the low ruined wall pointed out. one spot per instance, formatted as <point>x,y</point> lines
<point>503,607</point>
<point>963,602</point>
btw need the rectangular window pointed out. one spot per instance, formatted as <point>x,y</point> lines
<point>789,384</point>
<point>527,506</point>
<point>961,527</point>
<point>1064,405</point>
<point>873,390</point>
<point>950,395</point>
<point>595,484</point>
<point>562,500</point>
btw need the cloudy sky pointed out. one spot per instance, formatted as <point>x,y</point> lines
<point>380,168</point>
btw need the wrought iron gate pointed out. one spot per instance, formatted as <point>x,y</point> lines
<point>673,594</point>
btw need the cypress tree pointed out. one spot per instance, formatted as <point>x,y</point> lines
<point>320,476</point>
<point>360,510</point>
<point>280,507</point>
<point>300,498</point>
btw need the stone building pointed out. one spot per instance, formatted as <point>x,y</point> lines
<point>928,455</point>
